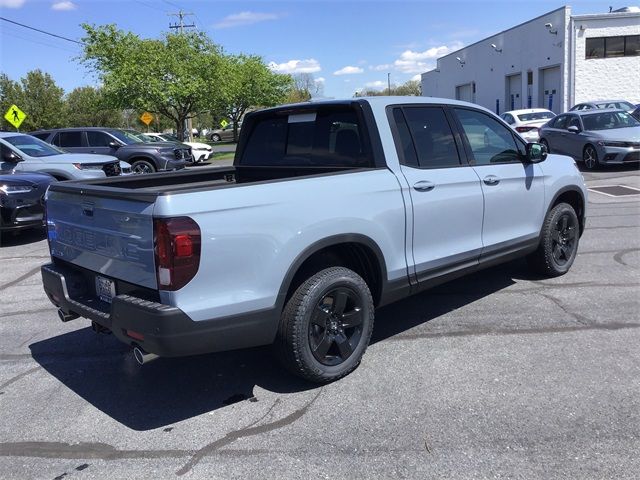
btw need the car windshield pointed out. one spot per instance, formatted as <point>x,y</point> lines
<point>527,117</point>
<point>608,121</point>
<point>169,138</point>
<point>126,137</point>
<point>620,105</point>
<point>32,146</point>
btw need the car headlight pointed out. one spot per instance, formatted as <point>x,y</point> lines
<point>87,166</point>
<point>9,189</point>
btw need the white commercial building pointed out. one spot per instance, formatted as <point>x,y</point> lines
<point>553,61</point>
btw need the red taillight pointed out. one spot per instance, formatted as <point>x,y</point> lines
<point>177,249</point>
<point>525,129</point>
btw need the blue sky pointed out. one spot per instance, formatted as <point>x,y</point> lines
<point>347,46</point>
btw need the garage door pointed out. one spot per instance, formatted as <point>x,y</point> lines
<point>550,95</point>
<point>514,92</point>
<point>464,93</point>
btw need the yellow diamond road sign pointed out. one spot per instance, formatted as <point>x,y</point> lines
<point>15,116</point>
<point>146,118</point>
<point>224,123</point>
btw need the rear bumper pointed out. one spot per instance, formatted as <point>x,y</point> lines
<point>165,330</point>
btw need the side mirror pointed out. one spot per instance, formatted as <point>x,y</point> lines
<point>573,129</point>
<point>115,145</point>
<point>11,156</point>
<point>536,153</point>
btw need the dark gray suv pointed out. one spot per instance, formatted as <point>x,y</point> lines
<point>123,144</point>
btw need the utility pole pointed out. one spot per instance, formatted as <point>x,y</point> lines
<point>181,24</point>
<point>389,84</point>
<point>180,27</point>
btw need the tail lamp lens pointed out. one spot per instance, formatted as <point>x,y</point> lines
<point>177,250</point>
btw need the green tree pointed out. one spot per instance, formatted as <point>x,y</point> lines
<point>42,101</point>
<point>10,93</point>
<point>86,106</point>
<point>250,83</point>
<point>303,87</point>
<point>177,76</point>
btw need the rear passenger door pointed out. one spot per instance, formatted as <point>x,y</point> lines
<point>513,188</point>
<point>445,192</point>
<point>100,143</point>
<point>71,141</point>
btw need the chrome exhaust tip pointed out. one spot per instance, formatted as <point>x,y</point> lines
<point>66,317</point>
<point>143,357</point>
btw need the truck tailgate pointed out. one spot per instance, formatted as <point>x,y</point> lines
<point>110,236</point>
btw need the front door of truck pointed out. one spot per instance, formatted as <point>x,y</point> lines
<point>445,192</point>
<point>513,189</point>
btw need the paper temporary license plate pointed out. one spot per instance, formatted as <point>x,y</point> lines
<point>105,289</point>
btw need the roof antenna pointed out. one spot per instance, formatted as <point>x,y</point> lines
<point>610,9</point>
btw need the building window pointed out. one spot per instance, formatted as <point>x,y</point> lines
<point>609,47</point>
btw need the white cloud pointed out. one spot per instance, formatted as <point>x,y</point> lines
<point>11,3</point>
<point>378,84</point>
<point>419,62</point>
<point>320,80</point>
<point>416,78</point>
<point>64,6</point>
<point>381,68</point>
<point>245,18</point>
<point>310,65</point>
<point>348,70</point>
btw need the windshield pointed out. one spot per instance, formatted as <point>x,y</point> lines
<point>169,138</point>
<point>126,137</point>
<point>527,117</point>
<point>32,146</point>
<point>608,121</point>
<point>619,105</point>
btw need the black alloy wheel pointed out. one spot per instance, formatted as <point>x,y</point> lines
<point>563,239</point>
<point>590,157</point>
<point>545,144</point>
<point>336,326</point>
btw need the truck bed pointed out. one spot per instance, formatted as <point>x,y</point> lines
<point>146,188</point>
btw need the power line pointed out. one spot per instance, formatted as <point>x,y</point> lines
<point>33,40</point>
<point>42,31</point>
<point>148,5</point>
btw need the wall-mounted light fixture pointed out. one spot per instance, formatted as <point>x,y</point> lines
<point>495,47</point>
<point>549,27</point>
<point>461,61</point>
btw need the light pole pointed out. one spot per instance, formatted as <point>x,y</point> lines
<point>389,83</point>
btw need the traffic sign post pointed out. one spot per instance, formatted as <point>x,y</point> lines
<point>146,118</point>
<point>15,116</point>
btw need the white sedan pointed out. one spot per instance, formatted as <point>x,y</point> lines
<point>527,122</point>
<point>200,151</point>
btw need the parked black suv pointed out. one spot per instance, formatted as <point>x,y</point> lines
<point>123,144</point>
<point>22,200</point>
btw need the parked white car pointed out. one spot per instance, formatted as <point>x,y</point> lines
<point>527,122</point>
<point>200,151</point>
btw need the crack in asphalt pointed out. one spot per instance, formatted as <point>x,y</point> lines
<point>82,451</point>
<point>582,320</point>
<point>30,273</point>
<point>618,256</point>
<point>613,227</point>
<point>515,331</point>
<point>247,431</point>
<point>18,377</point>
<point>25,312</point>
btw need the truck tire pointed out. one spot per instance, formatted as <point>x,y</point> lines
<point>326,325</point>
<point>558,243</point>
<point>142,166</point>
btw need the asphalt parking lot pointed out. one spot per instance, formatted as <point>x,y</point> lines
<point>497,375</point>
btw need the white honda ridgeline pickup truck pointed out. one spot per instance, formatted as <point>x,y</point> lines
<point>330,210</point>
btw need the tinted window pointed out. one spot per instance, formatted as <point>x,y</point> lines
<point>98,139</point>
<point>606,47</point>
<point>614,46</point>
<point>68,139</point>
<point>326,137</point>
<point>574,122</point>
<point>632,46</point>
<point>528,117</point>
<point>594,48</point>
<point>406,144</point>
<point>41,136</point>
<point>560,122</point>
<point>490,141</point>
<point>432,137</point>
<point>609,120</point>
